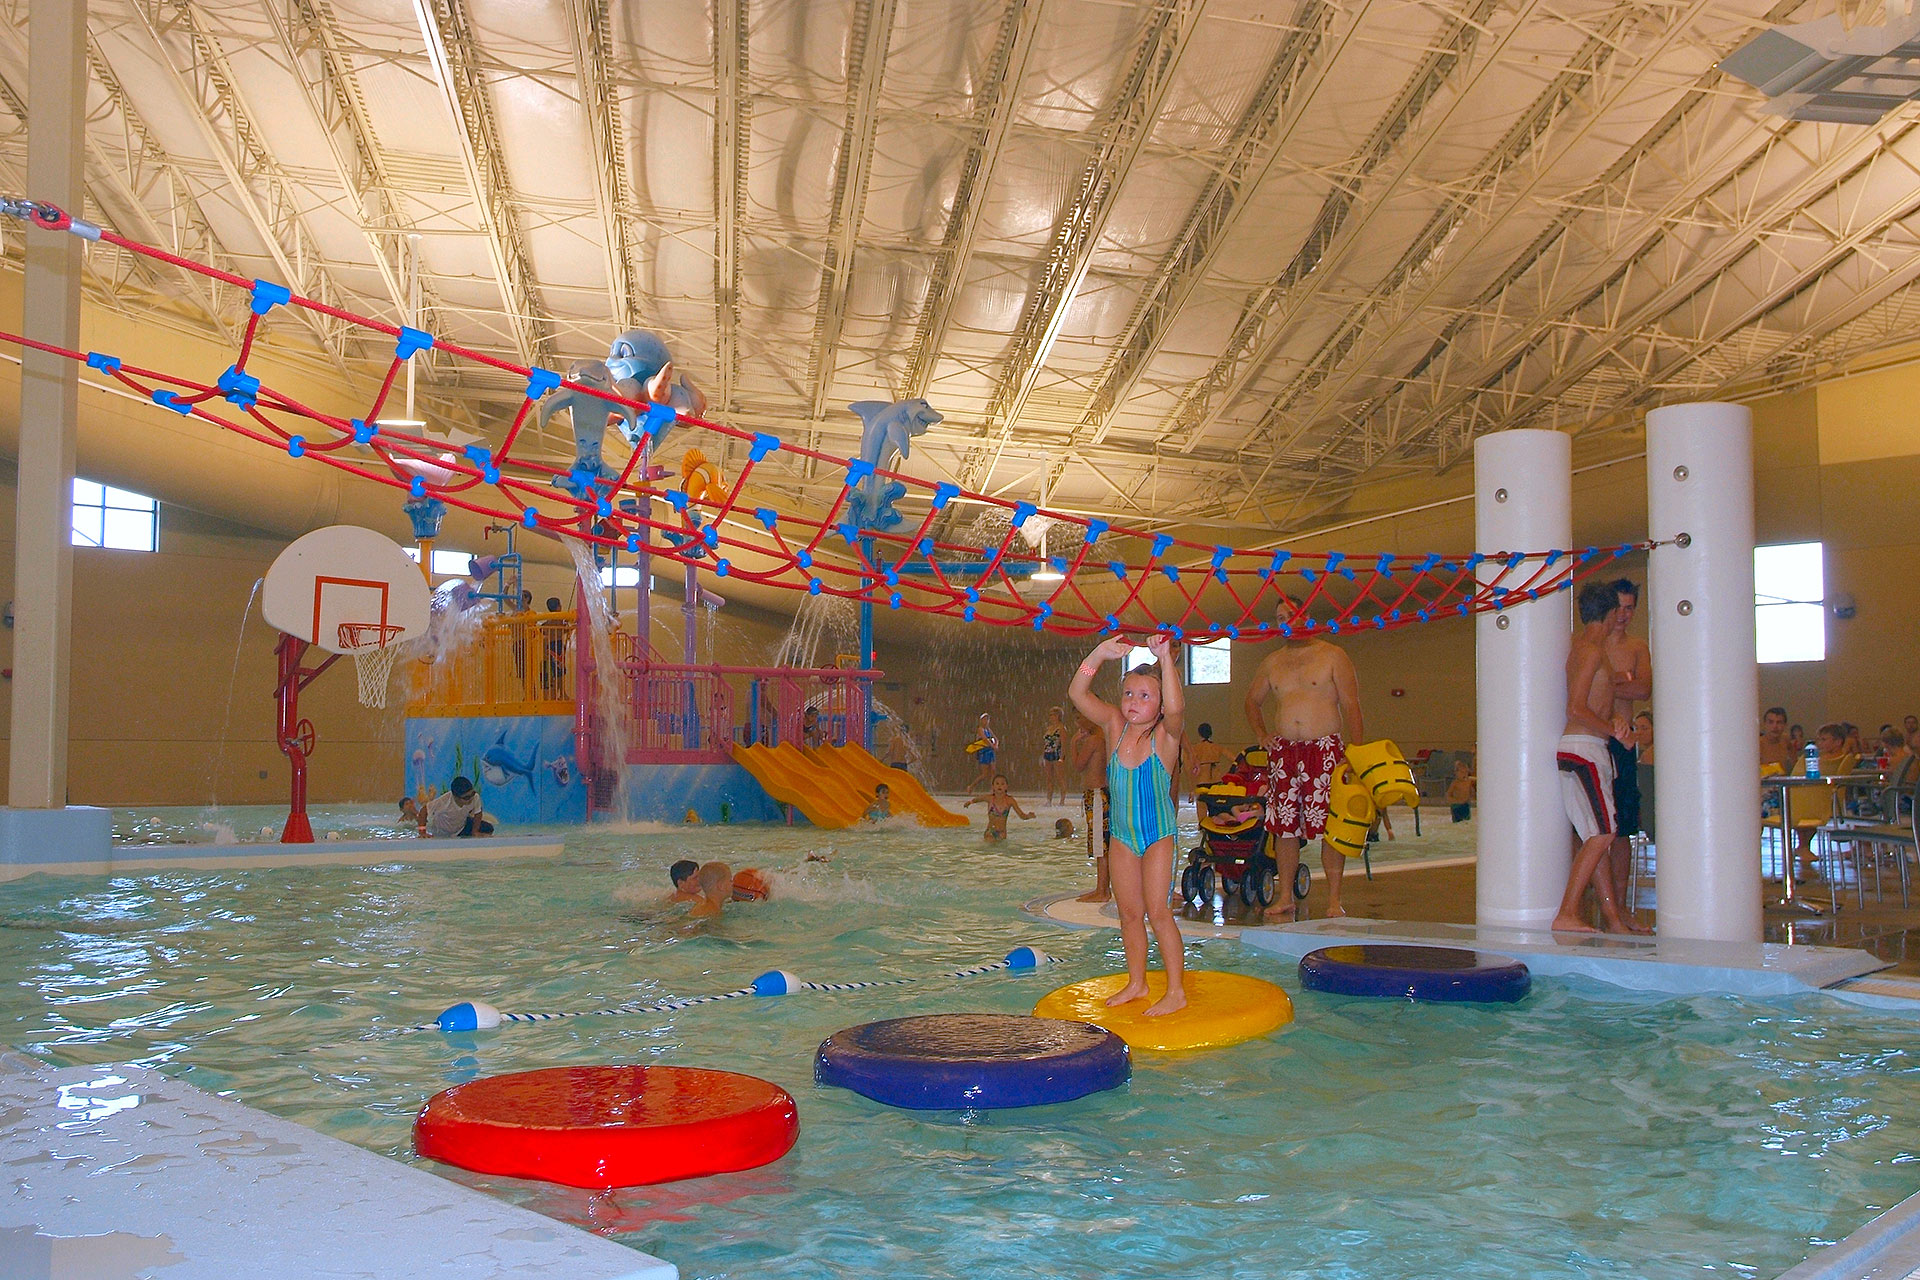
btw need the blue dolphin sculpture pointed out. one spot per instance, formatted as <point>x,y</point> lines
<point>886,429</point>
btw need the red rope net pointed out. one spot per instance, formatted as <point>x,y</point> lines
<point>1113,578</point>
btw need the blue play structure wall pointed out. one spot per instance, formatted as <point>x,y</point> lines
<point>664,793</point>
<point>525,770</point>
<point>523,765</point>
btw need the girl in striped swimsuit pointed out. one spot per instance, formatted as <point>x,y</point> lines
<point>1143,751</point>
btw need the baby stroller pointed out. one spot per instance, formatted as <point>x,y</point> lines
<point>1233,854</point>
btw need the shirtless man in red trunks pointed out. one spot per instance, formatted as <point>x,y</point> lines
<point>1316,712</point>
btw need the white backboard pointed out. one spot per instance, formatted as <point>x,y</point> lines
<point>344,588</point>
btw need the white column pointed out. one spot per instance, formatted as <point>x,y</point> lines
<point>1523,501</point>
<point>1706,685</point>
<point>49,407</point>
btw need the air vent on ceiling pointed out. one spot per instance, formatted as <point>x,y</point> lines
<point>1821,71</point>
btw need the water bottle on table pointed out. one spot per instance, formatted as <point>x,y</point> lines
<point>1812,769</point>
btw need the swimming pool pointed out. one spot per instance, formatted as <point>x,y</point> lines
<point>1587,1129</point>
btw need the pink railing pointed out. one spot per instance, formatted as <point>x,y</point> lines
<point>693,714</point>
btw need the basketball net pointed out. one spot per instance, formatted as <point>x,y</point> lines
<point>373,657</point>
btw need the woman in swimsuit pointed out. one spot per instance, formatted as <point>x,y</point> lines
<point>1143,750</point>
<point>1053,754</point>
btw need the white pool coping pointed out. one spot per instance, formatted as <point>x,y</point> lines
<point>1676,966</point>
<point>121,1171</point>
<point>321,853</point>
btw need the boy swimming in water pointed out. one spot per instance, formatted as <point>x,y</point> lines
<point>882,807</point>
<point>710,886</point>
<point>1143,736</point>
<point>1000,802</point>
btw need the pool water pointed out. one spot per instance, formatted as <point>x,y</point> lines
<point>1587,1130</point>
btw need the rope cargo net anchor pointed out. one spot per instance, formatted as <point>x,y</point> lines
<point>1112,579</point>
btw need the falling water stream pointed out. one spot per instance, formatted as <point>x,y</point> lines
<point>226,719</point>
<point>614,717</point>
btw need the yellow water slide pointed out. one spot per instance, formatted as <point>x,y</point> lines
<point>908,795</point>
<point>825,796</point>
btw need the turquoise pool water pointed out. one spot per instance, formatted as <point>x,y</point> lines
<point>1588,1130</point>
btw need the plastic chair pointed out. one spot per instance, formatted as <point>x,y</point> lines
<point>1898,834</point>
<point>1809,809</point>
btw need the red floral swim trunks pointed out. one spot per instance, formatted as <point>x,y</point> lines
<point>1299,776</point>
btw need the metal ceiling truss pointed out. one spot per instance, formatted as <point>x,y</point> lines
<point>1266,321</point>
<point>1276,110</point>
<point>998,95</point>
<point>592,32</point>
<point>1432,260</point>
<point>1134,108</point>
<point>255,182</point>
<point>868,34</point>
<point>462,78</point>
<point>732,140</point>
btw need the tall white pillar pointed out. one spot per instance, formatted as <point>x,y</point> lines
<point>37,824</point>
<point>1706,684</point>
<point>1523,501</point>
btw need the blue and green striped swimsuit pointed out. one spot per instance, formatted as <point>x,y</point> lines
<point>1140,802</point>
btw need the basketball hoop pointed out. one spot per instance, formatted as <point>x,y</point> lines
<point>373,656</point>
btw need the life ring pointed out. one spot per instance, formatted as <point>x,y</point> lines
<point>1350,813</point>
<point>623,1126</point>
<point>1384,772</point>
<point>1438,974</point>
<point>972,1061</point>
<point>700,480</point>
<point>1222,1009</point>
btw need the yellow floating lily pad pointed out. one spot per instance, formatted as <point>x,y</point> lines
<point>1222,1009</point>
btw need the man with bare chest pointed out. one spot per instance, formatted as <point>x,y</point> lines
<point>1316,700</point>
<point>1632,665</point>
<point>1586,765</point>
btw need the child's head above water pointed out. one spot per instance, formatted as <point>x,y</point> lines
<point>999,784</point>
<point>682,871</point>
<point>881,791</point>
<point>1063,829</point>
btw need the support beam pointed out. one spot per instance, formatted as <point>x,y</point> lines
<point>49,425</point>
<point>867,39</point>
<point>998,95</point>
<point>1706,684</point>
<point>1128,123</point>
<point>463,85</point>
<point>592,32</point>
<point>1523,501</point>
<point>732,139</point>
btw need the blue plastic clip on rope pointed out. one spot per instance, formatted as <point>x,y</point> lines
<point>364,431</point>
<point>530,517</point>
<point>763,444</point>
<point>858,469</point>
<point>767,516</point>
<point>722,567</point>
<point>411,343</point>
<point>1161,541</point>
<point>170,400</point>
<point>1094,529</point>
<point>815,586</point>
<point>804,559</point>
<point>1023,512</point>
<point>239,388</point>
<point>943,494</point>
<point>267,295</point>
<point>1119,570</point>
<point>417,487</point>
<point>296,446</point>
<point>541,381</point>
<point>105,364</point>
<point>893,600</point>
<point>657,418</point>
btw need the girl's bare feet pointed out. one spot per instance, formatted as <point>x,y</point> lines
<point>1571,924</point>
<point>1093,895</point>
<point>1172,1002</point>
<point>1129,993</point>
<point>1278,914</point>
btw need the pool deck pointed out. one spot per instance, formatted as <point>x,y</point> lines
<point>1674,965</point>
<point>124,858</point>
<point>121,1171</point>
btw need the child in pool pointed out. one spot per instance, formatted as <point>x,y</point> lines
<point>1053,755</point>
<point>882,807</point>
<point>1063,829</point>
<point>1143,736</point>
<point>1460,791</point>
<point>984,746</point>
<point>710,886</point>
<point>1000,802</point>
<point>411,815</point>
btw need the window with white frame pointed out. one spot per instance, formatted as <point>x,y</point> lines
<point>1789,603</point>
<point>104,516</point>
<point>446,564</point>
<point>622,575</point>
<point>1137,657</point>
<point>1210,662</point>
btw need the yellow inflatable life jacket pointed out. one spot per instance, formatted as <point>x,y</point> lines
<point>975,747</point>
<point>1384,772</point>
<point>1350,813</point>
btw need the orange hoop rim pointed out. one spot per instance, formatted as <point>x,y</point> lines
<point>356,635</point>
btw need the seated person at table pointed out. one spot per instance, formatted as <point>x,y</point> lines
<point>1775,747</point>
<point>1830,740</point>
<point>710,886</point>
<point>1894,743</point>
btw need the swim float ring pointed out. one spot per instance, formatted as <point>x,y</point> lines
<point>623,1126</point>
<point>1384,772</point>
<point>972,1061</point>
<point>1222,1009</point>
<point>1437,974</point>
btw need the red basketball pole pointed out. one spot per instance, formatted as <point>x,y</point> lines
<point>295,736</point>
